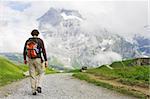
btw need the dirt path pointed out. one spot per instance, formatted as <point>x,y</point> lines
<point>115,83</point>
<point>59,86</point>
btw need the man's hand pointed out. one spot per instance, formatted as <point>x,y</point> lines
<point>25,61</point>
<point>46,64</point>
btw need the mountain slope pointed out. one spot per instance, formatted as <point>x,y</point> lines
<point>123,76</point>
<point>74,47</point>
<point>143,44</point>
<point>9,71</point>
<point>15,57</point>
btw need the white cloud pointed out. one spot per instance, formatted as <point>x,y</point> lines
<point>16,26</point>
<point>107,58</point>
<point>125,18</point>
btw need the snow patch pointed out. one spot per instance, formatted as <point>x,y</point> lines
<point>66,17</point>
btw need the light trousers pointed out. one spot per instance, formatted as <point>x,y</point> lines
<point>36,71</point>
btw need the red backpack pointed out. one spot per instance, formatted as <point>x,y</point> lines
<point>31,49</point>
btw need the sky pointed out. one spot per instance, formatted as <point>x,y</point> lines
<point>124,17</point>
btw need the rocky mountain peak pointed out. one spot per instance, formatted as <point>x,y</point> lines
<point>73,47</point>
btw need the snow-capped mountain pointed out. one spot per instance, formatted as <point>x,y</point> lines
<point>143,44</point>
<point>73,47</point>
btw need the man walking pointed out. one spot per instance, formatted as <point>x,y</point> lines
<point>33,48</point>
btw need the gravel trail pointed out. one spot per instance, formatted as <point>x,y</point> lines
<point>59,86</point>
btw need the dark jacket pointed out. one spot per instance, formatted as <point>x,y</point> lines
<point>40,47</point>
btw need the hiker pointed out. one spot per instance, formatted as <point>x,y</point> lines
<point>33,48</point>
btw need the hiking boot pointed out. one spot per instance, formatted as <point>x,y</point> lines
<point>39,89</point>
<point>34,93</point>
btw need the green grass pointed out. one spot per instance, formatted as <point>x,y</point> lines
<point>23,67</point>
<point>10,72</point>
<point>123,72</point>
<point>134,75</point>
<point>50,71</point>
<point>74,71</point>
<point>84,76</point>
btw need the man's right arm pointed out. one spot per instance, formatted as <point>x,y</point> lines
<point>25,53</point>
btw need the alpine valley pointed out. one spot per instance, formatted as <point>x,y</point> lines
<point>69,46</point>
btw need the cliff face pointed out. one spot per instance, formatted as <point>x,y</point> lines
<point>72,46</point>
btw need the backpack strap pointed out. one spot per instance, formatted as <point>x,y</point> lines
<point>34,39</point>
